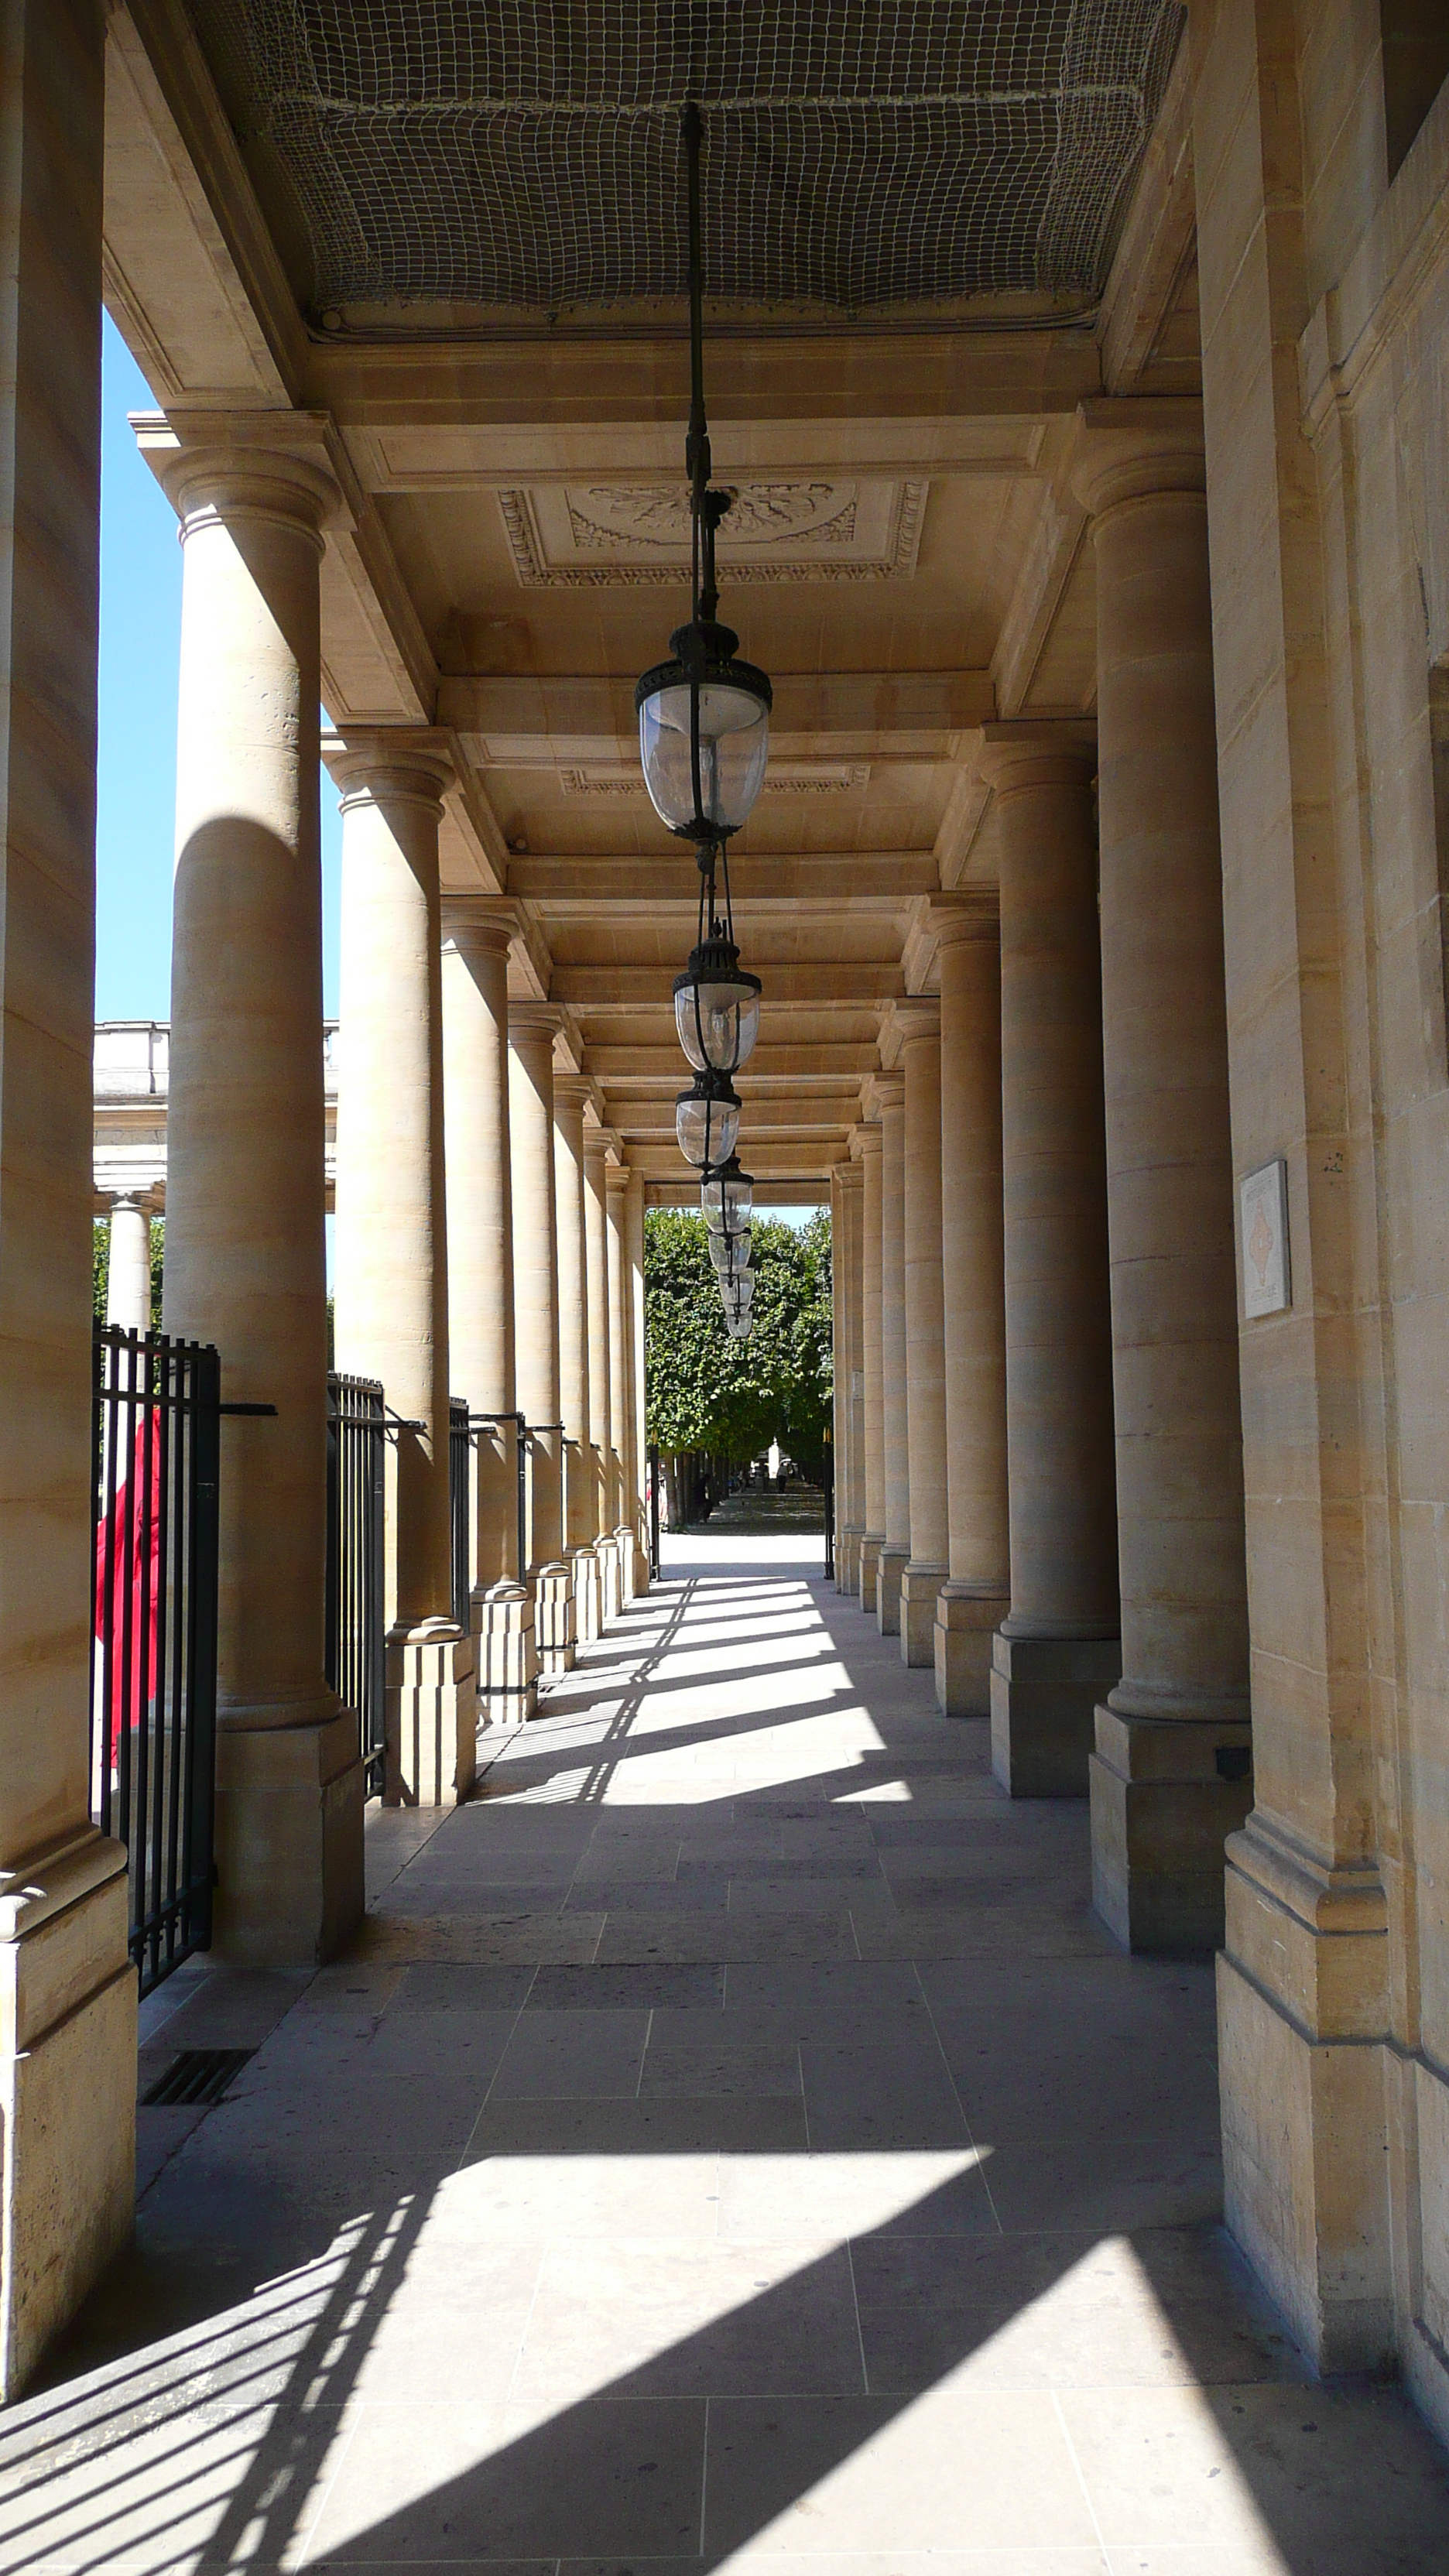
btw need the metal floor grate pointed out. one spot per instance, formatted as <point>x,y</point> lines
<point>198,2075</point>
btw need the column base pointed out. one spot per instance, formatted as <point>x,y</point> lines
<point>920,1590</point>
<point>1302,2009</point>
<point>871,1544</point>
<point>890,1566</point>
<point>67,2090</point>
<point>505,1656</point>
<point>289,1890</point>
<point>432,1722</point>
<point>847,1559</point>
<point>961,1644</point>
<point>1166,1793</point>
<point>554,1618</point>
<point>588,1594</point>
<point>1044,1692</point>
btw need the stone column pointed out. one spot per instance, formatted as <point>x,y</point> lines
<point>477,933</point>
<point>532,1027</point>
<point>853,1213</point>
<point>68,2020</point>
<point>1056,1653</point>
<point>390,1252</point>
<point>596,1245</point>
<point>638,1435</point>
<point>570,1093</point>
<point>128,1269</point>
<point>839,1341</point>
<point>1170,1772</point>
<point>616,1181</point>
<point>896,1546</point>
<point>977,1597</point>
<point>873,1443</point>
<point>928,1567</point>
<point>245,1255</point>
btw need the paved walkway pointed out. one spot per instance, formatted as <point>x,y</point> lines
<point>732,2140</point>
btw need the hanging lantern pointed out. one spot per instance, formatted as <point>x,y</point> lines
<point>730,1253</point>
<point>727,1195</point>
<point>704,731</point>
<point>707,1119</point>
<point>738,1291</point>
<point>717,1008</point>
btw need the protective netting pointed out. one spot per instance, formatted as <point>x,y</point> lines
<point>858,153</point>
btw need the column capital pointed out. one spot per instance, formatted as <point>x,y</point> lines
<point>967,916</point>
<point>1133,450</point>
<point>484,925</point>
<point>600,1141</point>
<point>534,1023</point>
<point>574,1087</point>
<point>918,1017</point>
<point>1017,757</point>
<point>228,468</point>
<point>848,1171</point>
<point>617,1177</point>
<point>883,1091</point>
<point>868,1130</point>
<point>390,765</point>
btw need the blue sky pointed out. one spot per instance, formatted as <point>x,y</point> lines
<point>136,780</point>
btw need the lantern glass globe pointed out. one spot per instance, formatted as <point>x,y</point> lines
<point>733,702</point>
<point>707,1120</point>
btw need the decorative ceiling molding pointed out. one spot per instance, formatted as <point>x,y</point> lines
<point>785,778</point>
<point>587,536</point>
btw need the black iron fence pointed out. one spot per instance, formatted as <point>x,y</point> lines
<point>156,1404</point>
<point>654,1474</point>
<point>356,1653</point>
<point>460,1496</point>
<point>827,1480</point>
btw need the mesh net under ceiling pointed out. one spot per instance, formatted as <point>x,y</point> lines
<point>859,154</point>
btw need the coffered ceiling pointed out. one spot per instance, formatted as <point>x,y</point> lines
<point>904,555</point>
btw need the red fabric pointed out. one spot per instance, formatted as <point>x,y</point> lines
<point>131,1540</point>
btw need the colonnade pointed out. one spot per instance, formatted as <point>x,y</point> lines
<point>1039,1454</point>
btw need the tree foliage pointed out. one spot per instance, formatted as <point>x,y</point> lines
<point>708,1392</point>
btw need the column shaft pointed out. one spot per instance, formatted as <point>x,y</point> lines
<point>928,1567</point>
<point>638,1435</point>
<point>580,1527</point>
<point>245,1255</point>
<point>480,1217</point>
<point>977,1597</point>
<point>128,1268</point>
<point>597,1259</point>
<point>873,1443</point>
<point>1056,1652</point>
<point>896,1547</point>
<point>390,1245</point>
<point>532,1027</point>
<point>1175,1730</point>
<point>617,1183</point>
<point>67,1988</point>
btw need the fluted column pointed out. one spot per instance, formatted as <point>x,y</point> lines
<point>617,1177</point>
<point>245,1260</point>
<point>570,1093</point>
<point>68,2023</point>
<point>1170,1772</point>
<point>896,1546</point>
<point>927,1567</point>
<point>532,1027</point>
<point>1056,1652</point>
<point>872,1424</point>
<point>128,1267</point>
<point>390,1246</point>
<point>597,1141</point>
<point>976,1598</point>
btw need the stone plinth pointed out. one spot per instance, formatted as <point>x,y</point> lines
<point>431,1715</point>
<point>507,1655</point>
<point>554,1618</point>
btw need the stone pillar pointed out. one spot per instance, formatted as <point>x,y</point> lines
<point>977,1597</point>
<point>570,1092</point>
<point>616,1181</point>
<point>840,1397</point>
<point>895,1435</point>
<point>853,1217</point>
<point>1056,1653</point>
<point>390,1252</point>
<point>532,1027</point>
<point>928,1567</point>
<point>873,1443</point>
<point>596,1244</point>
<point>67,1988</point>
<point>477,933</point>
<point>638,1433</point>
<point>1170,1772</point>
<point>245,1254</point>
<point>128,1269</point>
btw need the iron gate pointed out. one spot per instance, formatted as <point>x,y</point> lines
<point>356,1646</point>
<point>155,1413</point>
<point>460,1495</point>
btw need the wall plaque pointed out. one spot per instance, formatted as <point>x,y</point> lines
<point>1263,1203</point>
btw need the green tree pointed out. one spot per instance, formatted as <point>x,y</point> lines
<point>726,1398</point>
